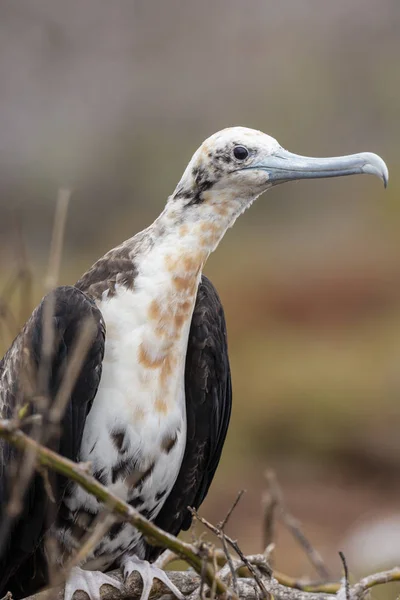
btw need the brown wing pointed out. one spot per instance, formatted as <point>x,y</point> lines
<point>22,565</point>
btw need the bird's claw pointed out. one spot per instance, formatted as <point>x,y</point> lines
<point>148,573</point>
<point>89,582</point>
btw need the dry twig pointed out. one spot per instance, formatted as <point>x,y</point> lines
<point>221,526</point>
<point>235,546</point>
<point>228,515</point>
<point>74,471</point>
<point>346,583</point>
<point>293,525</point>
<point>270,504</point>
<point>188,582</point>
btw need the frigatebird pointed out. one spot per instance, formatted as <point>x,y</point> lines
<point>151,406</point>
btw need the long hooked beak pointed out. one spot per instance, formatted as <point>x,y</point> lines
<point>285,166</point>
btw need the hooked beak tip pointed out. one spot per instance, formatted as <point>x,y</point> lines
<point>374,165</point>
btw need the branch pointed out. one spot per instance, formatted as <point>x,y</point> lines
<point>235,546</point>
<point>79,474</point>
<point>228,515</point>
<point>189,582</point>
<point>279,586</point>
<point>306,585</point>
<point>221,526</point>
<point>370,581</point>
<point>346,583</point>
<point>291,523</point>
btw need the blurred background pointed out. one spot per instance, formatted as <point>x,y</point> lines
<point>111,99</point>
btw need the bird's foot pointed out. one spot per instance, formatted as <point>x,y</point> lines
<point>148,572</point>
<point>89,582</point>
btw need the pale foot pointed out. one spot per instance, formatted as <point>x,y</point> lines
<point>148,572</point>
<point>88,581</point>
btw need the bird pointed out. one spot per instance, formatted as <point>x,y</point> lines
<point>150,408</point>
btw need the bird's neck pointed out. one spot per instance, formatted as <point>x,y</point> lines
<point>170,255</point>
<point>195,228</point>
<point>174,249</point>
<point>171,252</point>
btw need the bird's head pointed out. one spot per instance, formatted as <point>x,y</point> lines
<point>234,166</point>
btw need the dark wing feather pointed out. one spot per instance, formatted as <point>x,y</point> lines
<point>22,567</point>
<point>208,409</point>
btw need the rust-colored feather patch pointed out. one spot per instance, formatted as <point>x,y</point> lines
<point>161,406</point>
<point>147,360</point>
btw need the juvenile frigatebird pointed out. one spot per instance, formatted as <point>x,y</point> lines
<point>151,407</point>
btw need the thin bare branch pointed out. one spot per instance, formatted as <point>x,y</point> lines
<point>346,582</point>
<point>235,546</point>
<point>213,589</point>
<point>229,561</point>
<point>223,523</point>
<point>26,469</point>
<point>306,585</point>
<point>293,525</point>
<point>166,558</point>
<point>74,471</point>
<point>270,504</point>
<point>390,576</point>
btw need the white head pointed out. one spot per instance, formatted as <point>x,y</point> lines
<point>222,164</point>
<point>245,162</point>
<point>234,166</point>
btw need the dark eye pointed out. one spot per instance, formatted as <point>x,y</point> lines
<point>240,152</point>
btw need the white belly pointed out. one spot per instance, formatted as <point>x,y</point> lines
<point>135,433</point>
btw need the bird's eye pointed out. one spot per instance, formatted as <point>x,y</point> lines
<point>240,152</point>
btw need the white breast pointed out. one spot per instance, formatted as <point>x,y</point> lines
<point>135,433</point>
<point>135,399</point>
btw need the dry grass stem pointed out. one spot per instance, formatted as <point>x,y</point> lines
<point>78,355</point>
<point>57,239</point>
